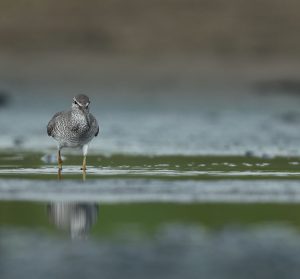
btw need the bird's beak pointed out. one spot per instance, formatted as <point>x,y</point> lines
<point>83,109</point>
<point>85,112</point>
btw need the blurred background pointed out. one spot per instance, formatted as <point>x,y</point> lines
<point>165,44</point>
<point>184,40</point>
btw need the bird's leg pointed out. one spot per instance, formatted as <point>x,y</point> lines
<point>59,160</point>
<point>84,163</point>
<point>85,150</point>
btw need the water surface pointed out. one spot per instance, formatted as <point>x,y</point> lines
<point>172,189</point>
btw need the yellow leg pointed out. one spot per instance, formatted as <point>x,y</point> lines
<point>59,160</point>
<point>84,163</point>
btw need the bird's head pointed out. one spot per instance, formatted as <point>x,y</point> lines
<point>81,102</point>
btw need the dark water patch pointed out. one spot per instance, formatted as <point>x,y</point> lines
<point>5,98</point>
<point>291,117</point>
<point>176,251</point>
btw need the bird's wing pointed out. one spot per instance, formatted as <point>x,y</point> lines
<point>97,132</point>
<point>95,125</point>
<point>51,123</point>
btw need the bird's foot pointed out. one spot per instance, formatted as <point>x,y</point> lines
<point>60,162</point>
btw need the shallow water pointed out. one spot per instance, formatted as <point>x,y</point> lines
<point>149,240</point>
<point>171,190</point>
<point>149,216</point>
<point>136,178</point>
<point>176,251</point>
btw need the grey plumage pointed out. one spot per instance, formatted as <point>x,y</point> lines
<point>72,129</point>
<point>75,127</point>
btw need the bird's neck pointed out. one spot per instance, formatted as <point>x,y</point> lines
<point>81,116</point>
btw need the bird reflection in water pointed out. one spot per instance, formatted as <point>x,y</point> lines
<point>76,218</point>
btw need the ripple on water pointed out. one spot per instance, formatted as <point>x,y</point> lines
<point>145,190</point>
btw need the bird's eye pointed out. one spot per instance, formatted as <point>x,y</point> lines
<point>75,102</point>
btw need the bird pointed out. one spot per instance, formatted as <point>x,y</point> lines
<point>74,128</point>
<point>77,218</point>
